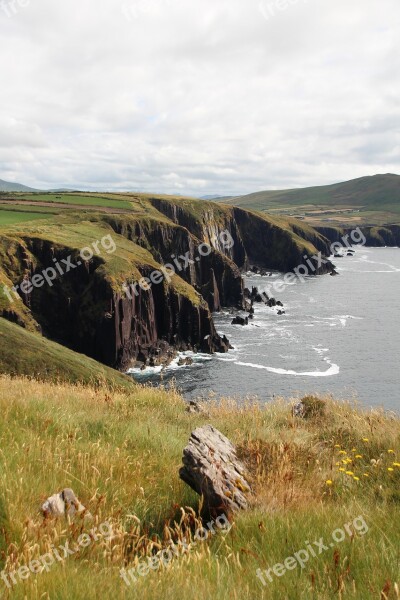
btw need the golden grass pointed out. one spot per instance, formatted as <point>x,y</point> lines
<point>121,452</point>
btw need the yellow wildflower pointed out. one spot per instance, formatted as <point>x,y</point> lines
<point>329,482</point>
<point>391,452</point>
<point>341,469</point>
<point>356,478</point>
<point>390,469</point>
<point>366,475</point>
<point>342,452</point>
<point>337,445</point>
<point>349,473</point>
<point>358,456</point>
<point>365,440</point>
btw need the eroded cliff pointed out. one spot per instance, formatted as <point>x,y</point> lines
<point>97,307</point>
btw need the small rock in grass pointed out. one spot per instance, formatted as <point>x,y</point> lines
<point>63,504</point>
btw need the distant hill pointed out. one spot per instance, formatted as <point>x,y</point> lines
<point>215,197</point>
<point>7,186</point>
<point>365,195</point>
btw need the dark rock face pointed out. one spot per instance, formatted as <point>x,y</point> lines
<point>215,276</point>
<point>270,247</point>
<point>256,241</point>
<point>388,235</point>
<point>151,324</point>
<point>82,311</point>
<point>206,229</point>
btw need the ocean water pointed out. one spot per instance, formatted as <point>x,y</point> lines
<point>340,335</point>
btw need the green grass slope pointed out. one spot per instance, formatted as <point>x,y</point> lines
<point>10,217</point>
<point>369,195</point>
<point>27,353</point>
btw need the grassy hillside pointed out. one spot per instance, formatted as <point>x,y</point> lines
<point>367,199</point>
<point>24,352</point>
<point>10,217</point>
<point>121,454</point>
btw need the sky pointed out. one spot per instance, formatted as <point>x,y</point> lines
<point>198,97</point>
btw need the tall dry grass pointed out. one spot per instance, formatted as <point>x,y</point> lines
<point>121,454</point>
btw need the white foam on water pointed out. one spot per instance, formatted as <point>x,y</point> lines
<point>144,372</point>
<point>333,370</point>
<point>173,365</point>
<point>339,319</point>
<point>375,262</point>
<point>321,350</point>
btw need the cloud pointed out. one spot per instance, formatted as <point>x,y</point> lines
<point>198,97</point>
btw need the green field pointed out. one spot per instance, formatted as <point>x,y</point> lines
<point>11,217</point>
<point>77,199</point>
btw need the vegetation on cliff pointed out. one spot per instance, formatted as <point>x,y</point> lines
<point>121,452</point>
<point>24,352</point>
<point>90,310</point>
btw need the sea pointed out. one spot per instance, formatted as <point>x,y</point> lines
<point>339,336</point>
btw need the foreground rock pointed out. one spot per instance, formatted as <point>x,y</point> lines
<point>211,468</point>
<point>63,504</point>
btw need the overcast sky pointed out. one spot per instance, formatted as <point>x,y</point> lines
<point>198,96</point>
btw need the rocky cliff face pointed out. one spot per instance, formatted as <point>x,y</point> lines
<point>89,308</point>
<point>382,236</point>
<point>154,324</point>
<point>214,275</point>
<point>388,235</point>
<point>256,239</point>
<point>83,311</point>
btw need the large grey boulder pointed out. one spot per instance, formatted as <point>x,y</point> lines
<point>211,468</point>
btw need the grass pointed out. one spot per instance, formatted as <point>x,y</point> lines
<point>11,217</point>
<point>121,454</point>
<point>366,200</point>
<point>78,199</point>
<point>26,352</point>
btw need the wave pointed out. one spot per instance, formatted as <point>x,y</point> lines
<point>383,264</point>
<point>333,370</point>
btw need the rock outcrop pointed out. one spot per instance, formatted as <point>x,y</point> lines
<point>211,468</point>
